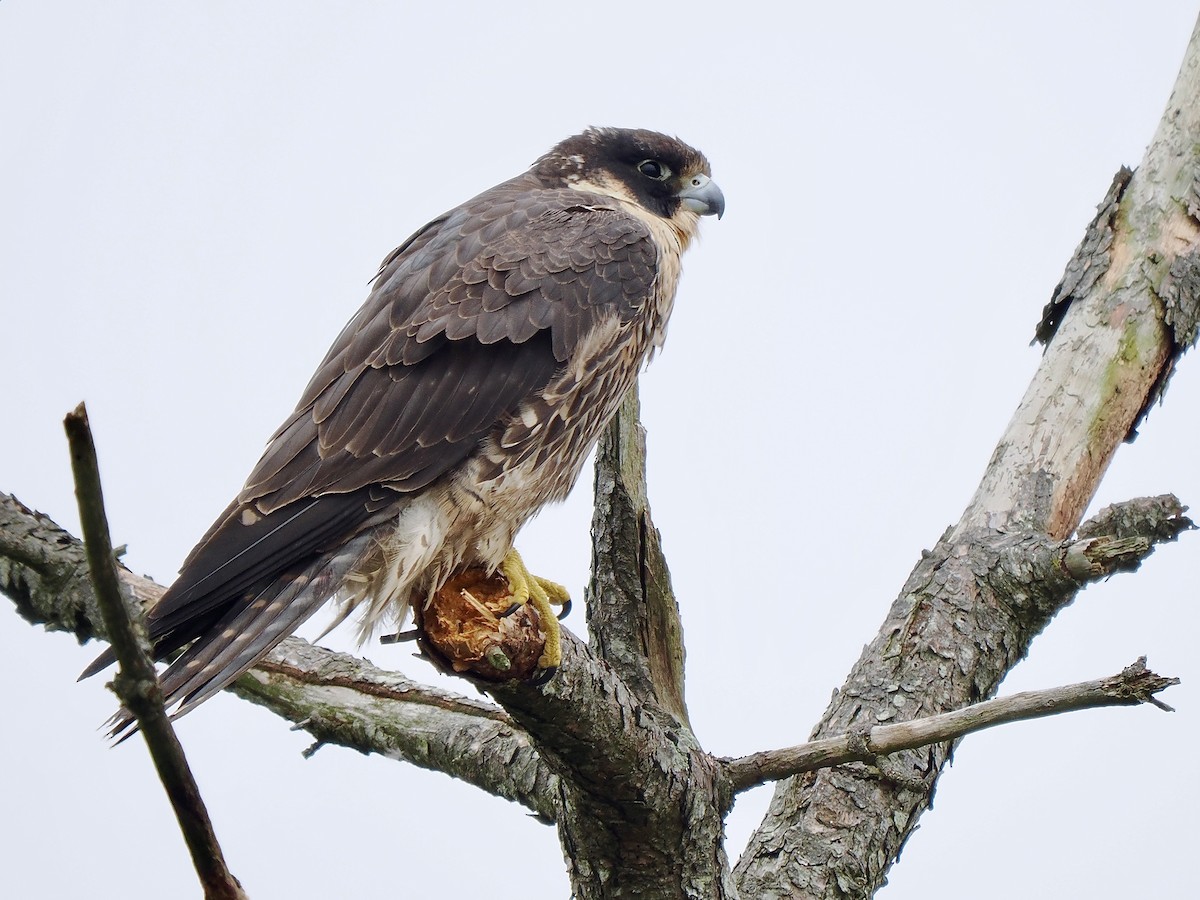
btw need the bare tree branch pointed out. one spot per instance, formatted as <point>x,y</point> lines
<point>583,717</point>
<point>44,570</point>
<point>635,786</point>
<point>971,607</point>
<point>137,682</point>
<point>1122,331</point>
<point>631,609</point>
<point>343,700</point>
<point>643,805</point>
<point>1133,686</point>
<point>40,569</point>
<point>966,616</point>
<point>606,749</point>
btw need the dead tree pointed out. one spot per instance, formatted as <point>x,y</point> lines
<point>605,750</point>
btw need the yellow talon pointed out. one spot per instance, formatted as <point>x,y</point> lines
<point>555,592</point>
<point>529,588</point>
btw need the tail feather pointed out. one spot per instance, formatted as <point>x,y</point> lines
<point>249,631</point>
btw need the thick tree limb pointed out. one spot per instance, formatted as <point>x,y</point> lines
<point>343,700</point>
<point>642,803</point>
<point>40,569</point>
<point>966,616</point>
<point>44,570</point>
<point>1131,687</point>
<point>631,610</point>
<point>613,723</point>
<point>1117,345</point>
<point>581,721</point>
<point>137,682</point>
<point>971,607</point>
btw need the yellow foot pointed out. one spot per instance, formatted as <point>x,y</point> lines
<point>529,588</point>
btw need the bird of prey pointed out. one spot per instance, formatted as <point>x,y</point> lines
<point>464,395</point>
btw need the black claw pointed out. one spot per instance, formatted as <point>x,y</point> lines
<point>543,676</point>
<point>566,609</point>
<point>512,609</point>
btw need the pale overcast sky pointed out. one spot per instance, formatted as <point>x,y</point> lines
<point>194,196</point>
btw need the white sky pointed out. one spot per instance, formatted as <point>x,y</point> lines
<point>194,196</point>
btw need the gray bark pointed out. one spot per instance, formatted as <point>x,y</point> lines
<point>1134,685</point>
<point>338,699</point>
<point>605,749</point>
<point>642,806</point>
<point>136,684</point>
<point>631,608</point>
<point>969,609</point>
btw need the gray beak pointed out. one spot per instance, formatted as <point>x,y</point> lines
<point>701,195</point>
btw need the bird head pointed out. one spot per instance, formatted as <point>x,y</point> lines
<point>659,173</point>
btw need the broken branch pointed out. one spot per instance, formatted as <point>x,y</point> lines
<point>137,683</point>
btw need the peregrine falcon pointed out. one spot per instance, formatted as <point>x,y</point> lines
<point>464,395</point>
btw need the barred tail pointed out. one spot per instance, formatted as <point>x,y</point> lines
<point>249,630</point>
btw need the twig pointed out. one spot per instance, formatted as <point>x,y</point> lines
<point>137,683</point>
<point>1135,685</point>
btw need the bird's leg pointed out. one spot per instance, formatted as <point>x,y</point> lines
<point>542,593</point>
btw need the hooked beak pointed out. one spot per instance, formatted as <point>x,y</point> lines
<point>701,195</point>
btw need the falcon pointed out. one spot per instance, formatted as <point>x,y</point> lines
<point>495,345</point>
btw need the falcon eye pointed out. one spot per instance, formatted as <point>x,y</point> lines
<point>652,168</point>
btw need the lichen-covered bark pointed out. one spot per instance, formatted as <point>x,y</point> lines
<point>1135,684</point>
<point>965,617</point>
<point>44,570</point>
<point>641,808</point>
<point>337,698</point>
<point>642,805</point>
<point>1128,307</point>
<point>631,608</point>
<point>345,701</point>
<point>970,608</point>
<point>605,748</point>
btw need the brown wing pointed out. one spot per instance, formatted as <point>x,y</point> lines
<point>467,319</point>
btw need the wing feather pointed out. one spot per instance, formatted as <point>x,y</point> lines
<point>467,321</point>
